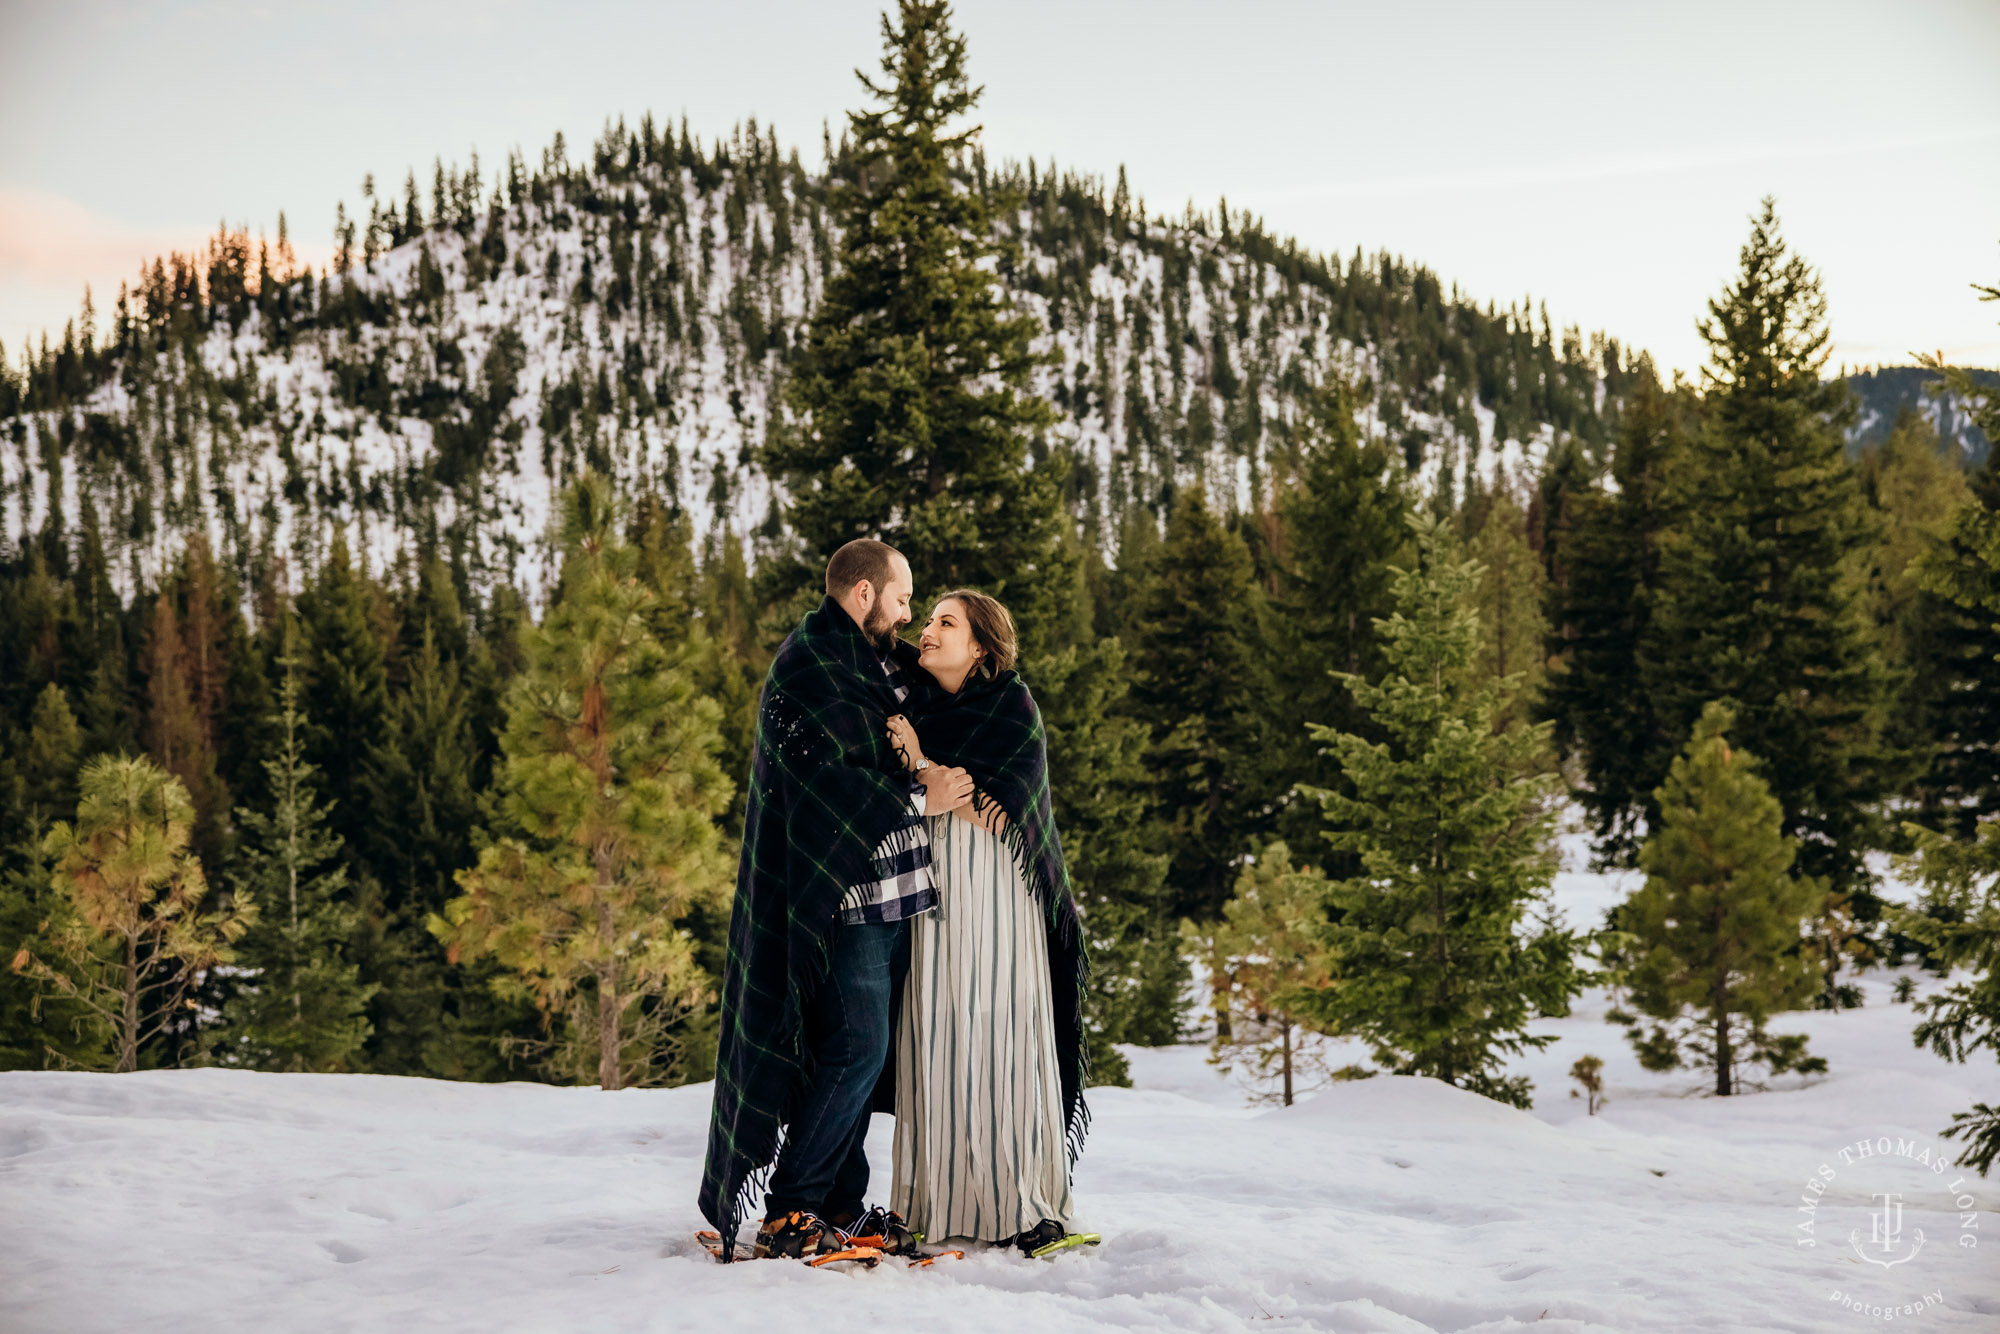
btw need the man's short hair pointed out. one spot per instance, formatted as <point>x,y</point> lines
<point>863,558</point>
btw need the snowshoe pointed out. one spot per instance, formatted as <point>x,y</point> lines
<point>798,1235</point>
<point>925,1259</point>
<point>866,1256</point>
<point>1048,1236</point>
<point>882,1229</point>
<point>712,1243</point>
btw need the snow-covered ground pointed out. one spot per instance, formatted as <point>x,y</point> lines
<point>213,1201</point>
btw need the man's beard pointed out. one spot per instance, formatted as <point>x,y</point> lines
<point>879,629</point>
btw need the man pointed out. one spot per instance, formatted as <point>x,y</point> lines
<point>835,862</point>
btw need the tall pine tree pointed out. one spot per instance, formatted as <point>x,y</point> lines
<point>37,782</point>
<point>1959,598</point>
<point>914,420</point>
<point>1437,963</point>
<point>1509,594</point>
<point>609,795</point>
<point>345,694</point>
<point>302,1005</point>
<point>1916,490</point>
<point>1343,527</point>
<point>1602,550</point>
<point>1762,588</point>
<point>1958,921</point>
<point>1196,686</point>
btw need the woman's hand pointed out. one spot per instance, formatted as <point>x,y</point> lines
<point>903,738</point>
<point>983,811</point>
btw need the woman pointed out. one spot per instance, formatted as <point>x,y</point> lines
<point>989,1046</point>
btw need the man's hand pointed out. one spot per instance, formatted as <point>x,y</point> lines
<point>945,789</point>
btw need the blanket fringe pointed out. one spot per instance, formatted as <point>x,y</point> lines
<point>1063,921</point>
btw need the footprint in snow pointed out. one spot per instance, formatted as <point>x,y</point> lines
<point>342,1252</point>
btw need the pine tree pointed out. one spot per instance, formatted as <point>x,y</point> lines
<point>425,772</point>
<point>1436,964</point>
<point>38,780</point>
<point>1509,595</point>
<point>1959,601</point>
<point>48,762</point>
<point>1720,923</point>
<point>1343,526</point>
<point>1959,925</point>
<point>302,1005</point>
<point>129,941</point>
<point>705,609</point>
<point>344,691</point>
<point>1958,921</point>
<point>1915,491</point>
<point>106,711</point>
<point>1762,588</point>
<point>914,416</point>
<point>610,789</point>
<point>174,731</point>
<point>1195,686</point>
<point>1272,936</point>
<point>1099,780</point>
<point>431,1017</point>
<point>1603,555</point>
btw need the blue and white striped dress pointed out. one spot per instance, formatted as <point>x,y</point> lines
<point>979,1126</point>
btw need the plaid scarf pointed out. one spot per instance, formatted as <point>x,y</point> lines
<point>825,789</point>
<point>993,731</point>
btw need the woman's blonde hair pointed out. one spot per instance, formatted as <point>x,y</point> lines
<point>992,629</point>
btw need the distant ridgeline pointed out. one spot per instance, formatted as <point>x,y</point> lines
<point>637,313</point>
<point>1884,393</point>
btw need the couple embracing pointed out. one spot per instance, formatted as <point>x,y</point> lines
<point>903,939</point>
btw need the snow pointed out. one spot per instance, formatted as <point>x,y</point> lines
<point>216,1200</point>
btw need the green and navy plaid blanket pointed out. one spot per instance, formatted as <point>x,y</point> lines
<point>825,789</point>
<point>993,731</point>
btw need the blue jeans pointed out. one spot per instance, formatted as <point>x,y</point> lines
<point>824,1164</point>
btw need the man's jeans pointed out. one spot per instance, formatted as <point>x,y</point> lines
<point>824,1165</point>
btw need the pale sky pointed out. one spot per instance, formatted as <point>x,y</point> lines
<point>1601,157</point>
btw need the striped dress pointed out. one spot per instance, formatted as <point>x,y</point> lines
<point>979,1127</point>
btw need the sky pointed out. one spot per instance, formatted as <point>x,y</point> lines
<point>1602,158</point>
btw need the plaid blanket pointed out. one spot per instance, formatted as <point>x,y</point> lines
<point>825,789</point>
<point>993,731</point>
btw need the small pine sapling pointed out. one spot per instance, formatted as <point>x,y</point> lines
<point>1268,944</point>
<point>1721,923</point>
<point>130,943</point>
<point>1588,1072</point>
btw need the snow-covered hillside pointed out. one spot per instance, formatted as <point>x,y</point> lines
<point>211,1201</point>
<point>638,313</point>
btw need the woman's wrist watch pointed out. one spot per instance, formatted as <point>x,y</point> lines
<point>920,766</point>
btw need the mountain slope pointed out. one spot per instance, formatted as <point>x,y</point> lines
<point>638,313</point>
<point>1883,393</point>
